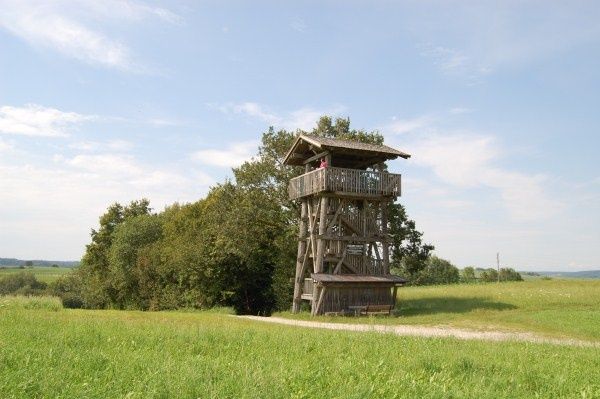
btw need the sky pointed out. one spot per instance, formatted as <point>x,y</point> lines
<point>498,103</point>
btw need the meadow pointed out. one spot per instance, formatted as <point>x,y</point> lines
<point>562,308</point>
<point>42,273</point>
<point>48,351</point>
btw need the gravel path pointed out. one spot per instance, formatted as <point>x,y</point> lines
<point>421,331</point>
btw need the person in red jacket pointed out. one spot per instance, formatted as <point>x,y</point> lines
<point>323,163</point>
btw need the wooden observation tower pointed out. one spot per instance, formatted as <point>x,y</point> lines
<point>343,245</point>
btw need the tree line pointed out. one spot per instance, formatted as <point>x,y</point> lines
<point>235,247</point>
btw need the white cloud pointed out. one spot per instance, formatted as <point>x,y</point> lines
<point>106,164</point>
<point>299,25</point>
<point>401,126</point>
<point>475,40</point>
<point>454,62</point>
<point>36,120</point>
<point>303,118</point>
<point>470,160</point>
<point>231,157</point>
<point>64,26</point>
<point>5,146</point>
<point>460,110</point>
<point>46,206</point>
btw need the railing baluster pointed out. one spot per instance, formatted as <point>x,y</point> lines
<point>345,180</point>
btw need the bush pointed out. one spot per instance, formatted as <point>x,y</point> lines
<point>506,274</point>
<point>438,271</point>
<point>468,275</point>
<point>68,289</point>
<point>509,274</point>
<point>22,283</point>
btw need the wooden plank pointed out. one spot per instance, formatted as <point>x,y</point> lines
<point>320,300</point>
<point>339,264</point>
<point>302,250</point>
<point>315,157</point>
<point>322,230</point>
<point>351,238</point>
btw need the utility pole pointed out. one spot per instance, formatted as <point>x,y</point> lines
<point>498,264</point>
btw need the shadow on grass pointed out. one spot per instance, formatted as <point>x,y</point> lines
<point>416,307</point>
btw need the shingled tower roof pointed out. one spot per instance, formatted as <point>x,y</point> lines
<point>346,153</point>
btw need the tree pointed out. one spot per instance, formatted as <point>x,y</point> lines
<point>489,275</point>
<point>130,238</point>
<point>29,263</point>
<point>468,274</point>
<point>509,274</point>
<point>96,290</point>
<point>438,271</point>
<point>408,253</point>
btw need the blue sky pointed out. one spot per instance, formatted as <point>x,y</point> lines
<point>498,102</point>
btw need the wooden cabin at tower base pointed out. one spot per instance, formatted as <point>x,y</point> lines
<point>354,294</point>
<point>343,242</point>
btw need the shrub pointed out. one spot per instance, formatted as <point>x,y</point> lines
<point>468,274</point>
<point>438,271</point>
<point>22,283</point>
<point>68,289</point>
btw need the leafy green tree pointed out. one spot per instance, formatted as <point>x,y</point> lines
<point>96,289</point>
<point>489,275</point>
<point>130,238</point>
<point>509,274</point>
<point>408,252</point>
<point>438,271</point>
<point>468,274</point>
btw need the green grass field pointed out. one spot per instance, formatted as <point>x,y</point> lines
<point>45,274</point>
<point>50,352</point>
<point>47,351</point>
<point>558,308</point>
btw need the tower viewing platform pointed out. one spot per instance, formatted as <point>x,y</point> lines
<point>345,181</point>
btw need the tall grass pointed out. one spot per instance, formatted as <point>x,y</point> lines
<point>99,354</point>
<point>30,303</point>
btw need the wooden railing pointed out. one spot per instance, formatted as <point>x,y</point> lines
<point>344,180</point>
<point>308,286</point>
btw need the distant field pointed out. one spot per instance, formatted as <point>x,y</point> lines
<point>45,274</point>
<point>46,351</point>
<point>557,308</point>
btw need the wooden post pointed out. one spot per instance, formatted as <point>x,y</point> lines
<point>385,249</point>
<point>302,236</point>
<point>322,231</point>
<point>301,256</point>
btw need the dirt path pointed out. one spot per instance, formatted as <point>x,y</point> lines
<point>422,331</point>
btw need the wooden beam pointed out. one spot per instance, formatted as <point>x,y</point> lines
<point>385,250</point>
<point>302,249</point>
<point>315,157</point>
<point>347,223</point>
<point>335,216</point>
<point>320,301</point>
<point>339,264</point>
<point>311,226</point>
<point>352,238</point>
<point>322,230</point>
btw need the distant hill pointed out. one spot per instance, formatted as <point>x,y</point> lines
<point>582,274</point>
<point>20,262</point>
